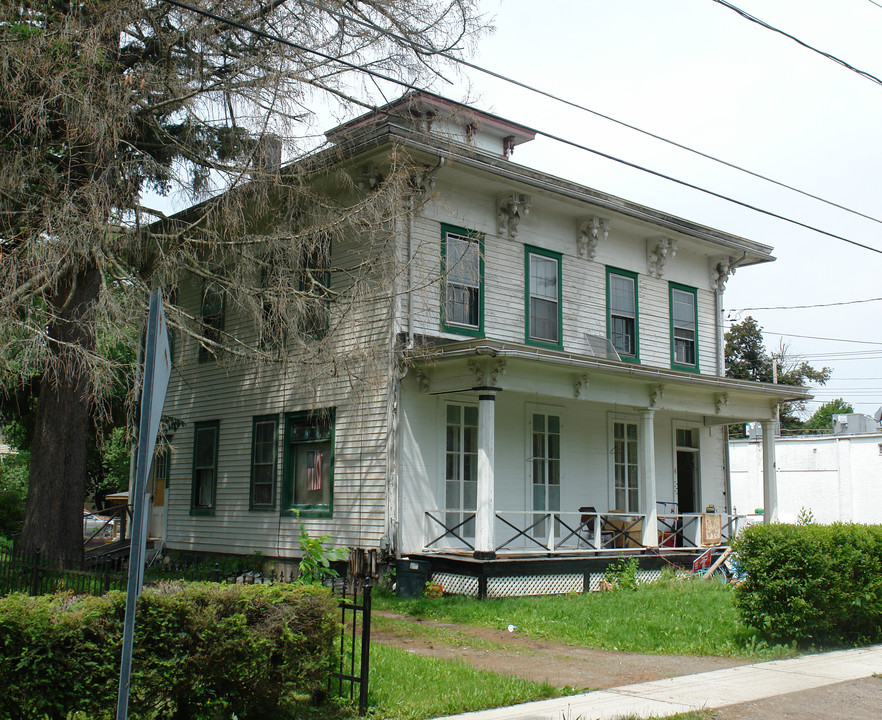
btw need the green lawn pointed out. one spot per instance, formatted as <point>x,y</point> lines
<point>404,686</point>
<point>675,617</point>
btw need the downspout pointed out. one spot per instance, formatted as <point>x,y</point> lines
<point>410,229</point>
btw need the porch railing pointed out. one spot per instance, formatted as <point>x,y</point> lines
<point>558,532</point>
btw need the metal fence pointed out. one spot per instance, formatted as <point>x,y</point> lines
<point>35,574</point>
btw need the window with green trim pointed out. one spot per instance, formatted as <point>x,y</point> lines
<point>684,329</point>
<point>543,297</point>
<point>204,487</point>
<point>621,304</point>
<point>462,256</point>
<point>308,473</point>
<point>264,440</point>
<point>212,312</point>
<point>315,289</point>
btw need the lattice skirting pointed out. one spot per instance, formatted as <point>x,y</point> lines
<point>498,587</point>
<point>456,584</point>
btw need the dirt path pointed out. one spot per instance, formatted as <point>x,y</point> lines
<point>538,660</point>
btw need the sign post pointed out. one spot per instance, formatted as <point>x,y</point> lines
<point>157,370</point>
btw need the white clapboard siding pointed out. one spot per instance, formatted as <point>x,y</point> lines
<point>233,394</point>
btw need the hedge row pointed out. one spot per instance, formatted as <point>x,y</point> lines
<point>812,583</point>
<point>201,651</point>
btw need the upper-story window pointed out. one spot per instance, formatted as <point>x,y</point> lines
<point>543,294</point>
<point>684,331</point>
<point>462,307</point>
<point>212,313</point>
<point>621,300</point>
<point>315,288</point>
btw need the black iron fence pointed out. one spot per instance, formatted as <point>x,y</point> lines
<point>35,574</point>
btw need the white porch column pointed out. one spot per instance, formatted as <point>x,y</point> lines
<point>647,463</point>
<point>485,519</point>
<point>770,473</point>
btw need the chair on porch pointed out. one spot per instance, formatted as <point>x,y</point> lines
<point>586,524</point>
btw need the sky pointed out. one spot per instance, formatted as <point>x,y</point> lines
<point>696,72</point>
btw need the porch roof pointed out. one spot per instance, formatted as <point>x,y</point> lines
<point>474,365</point>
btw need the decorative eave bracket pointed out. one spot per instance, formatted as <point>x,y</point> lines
<point>511,208</point>
<point>658,251</point>
<point>487,372</point>
<point>422,380</point>
<point>656,394</point>
<point>422,180</point>
<point>721,402</point>
<point>721,272</point>
<point>368,177</point>
<point>591,232</point>
<point>580,386</point>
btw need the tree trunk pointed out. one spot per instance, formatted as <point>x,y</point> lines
<point>53,522</point>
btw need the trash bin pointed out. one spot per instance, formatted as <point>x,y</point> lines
<point>411,577</point>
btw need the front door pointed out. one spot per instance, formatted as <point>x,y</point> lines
<point>688,500</point>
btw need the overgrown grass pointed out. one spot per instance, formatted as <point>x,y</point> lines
<point>672,617</point>
<point>405,686</point>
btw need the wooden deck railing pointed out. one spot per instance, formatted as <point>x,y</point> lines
<point>566,532</point>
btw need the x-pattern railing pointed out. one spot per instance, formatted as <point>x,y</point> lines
<point>451,531</point>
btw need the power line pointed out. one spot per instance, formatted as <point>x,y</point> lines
<point>795,39</point>
<point>813,337</point>
<point>573,104</point>
<point>550,136</point>
<point>805,307</point>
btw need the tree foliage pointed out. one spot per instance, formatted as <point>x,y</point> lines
<point>822,418</point>
<point>748,359</point>
<point>104,99</point>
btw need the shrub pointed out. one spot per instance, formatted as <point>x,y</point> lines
<point>622,574</point>
<point>201,651</point>
<point>812,583</point>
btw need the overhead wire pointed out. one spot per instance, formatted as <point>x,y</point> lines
<point>550,136</point>
<point>596,113</point>
<point>804,307</point>
<point>822,53</point>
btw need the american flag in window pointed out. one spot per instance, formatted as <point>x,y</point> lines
<point>313,469</point>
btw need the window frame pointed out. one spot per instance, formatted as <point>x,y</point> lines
<point>529,252</point>
<point>677,287</point>
<point>288,506</point>
<point>214,328</point>
<point>625,421</point>
<point>635,278</point>
<point>462,458</point>
<point>320,301</point>
<point>478,238</point>
<point>210,508</point>
<point>274,419</point>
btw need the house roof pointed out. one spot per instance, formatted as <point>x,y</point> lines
<point>394,124</point>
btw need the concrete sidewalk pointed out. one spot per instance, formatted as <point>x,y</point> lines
<point>715,689</point>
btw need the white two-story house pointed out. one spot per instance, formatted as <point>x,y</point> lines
<point>542,373</point>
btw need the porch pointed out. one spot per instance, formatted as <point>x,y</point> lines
<point>507,451</point>
<point>585,533</point>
